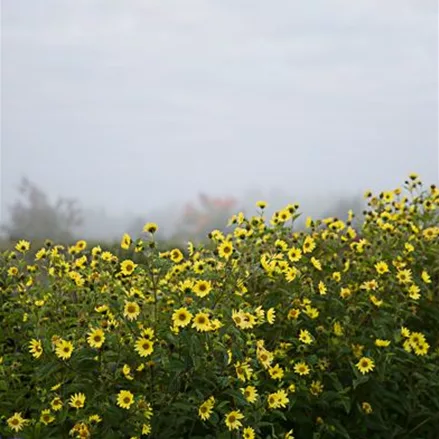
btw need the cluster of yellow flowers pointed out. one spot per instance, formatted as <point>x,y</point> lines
<point>265,319</point>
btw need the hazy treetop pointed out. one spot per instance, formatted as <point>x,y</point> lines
<point>132,105</point>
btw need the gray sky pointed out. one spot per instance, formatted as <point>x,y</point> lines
<point>136,104</point>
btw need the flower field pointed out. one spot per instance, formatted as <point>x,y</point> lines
<point>265,331</point>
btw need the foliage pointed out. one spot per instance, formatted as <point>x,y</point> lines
<point>272,333</point>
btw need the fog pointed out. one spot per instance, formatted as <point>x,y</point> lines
<point>136,107</point>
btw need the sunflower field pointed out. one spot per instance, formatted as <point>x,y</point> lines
<point>265,331</point>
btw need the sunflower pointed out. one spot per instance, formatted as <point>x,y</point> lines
<point>382,343</point>
<point>225,249</point>
<point>232,420</point>
<point>305,336</point>
<point>127,267</point>
<point>301,368</point>
<point>365,365</point>
<point>64,349</point>
<point>77,400</point>
<point>404,276</point>
<point>125,399</point>
<point>36,348</point>
<point>278,399</point>
<point>94,419</point>
<point>126,241</point>
<point>131,310</point>
<point>46,417</point>
<point>366,407</point>
<point>205,409</point>
<point>16,422</point>
<point>22,246</point>
<point>80,245</point>
<point>316,388</point>
<point>181,317</point>
<point>248,433</point>
<point>250,393</point>
<point>96,338</point>
<point>308,245</point>
<point>176,255</point>
<point>276,372</point>
<point>56,404</point>
<point>144,346</point>
<point>294,254</point>
<point>202,288</point>
<point>201,322</point>
<point>381,267</point>
<point>271,316</point>
<point>150,228</point>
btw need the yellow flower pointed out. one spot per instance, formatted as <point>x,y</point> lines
<point>36,348</point>
<point>126,241</point>
<point>271,316</point>
<point>381,267</point>
<point>201,322</point>
<point>365,365</point>
<point>176,255</point>
<point>80,245</point>
<point>278,399</point>
<point>64,349</point>
<point>414,292</point>
<point>243,370</point>
<point>276,372</point>
<point>261,204</point>
<point>77,400</point>
<point>248,433</point>
<point>405,332</point>
<point>127,267</point>
<point>202,288</point>
<point>94,419</point>
<point>322,288</point>
<point>305,336</point>
<point>181,317</point>
<point>96,338</point>
<point>294,254</point>
<point>144,347</point>
<point>426,277</point>
<point>46,417</point>
<point>367,408</point>
<point>16,422</point>
<point>125,399</point>
<point>205,410</point>
<point>301,368</point>
<point>308,245</point>
<point>56,404</point>
<point>146,428</point>
<point>316,388</point>
<point>382,343</point>
<point>225,249</point>
<point>131,310</point>
<point>317,264</point>
<point>250,393</point>
<point>232,420</point>
<point>150,228</point>
<point>22,246</point>
<point>338,329</point>
<point>404,276</point>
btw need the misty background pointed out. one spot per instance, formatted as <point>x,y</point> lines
<point>135,108</point>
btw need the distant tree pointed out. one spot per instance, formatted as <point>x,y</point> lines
<point>33,217</point>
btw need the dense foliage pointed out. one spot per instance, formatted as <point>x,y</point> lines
<point>265,333</point>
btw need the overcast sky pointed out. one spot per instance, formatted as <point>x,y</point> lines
<point>135,104</point>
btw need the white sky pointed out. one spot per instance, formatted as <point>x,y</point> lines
<point>135,104</point>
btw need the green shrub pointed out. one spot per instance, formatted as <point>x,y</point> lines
<point>272,333</point>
